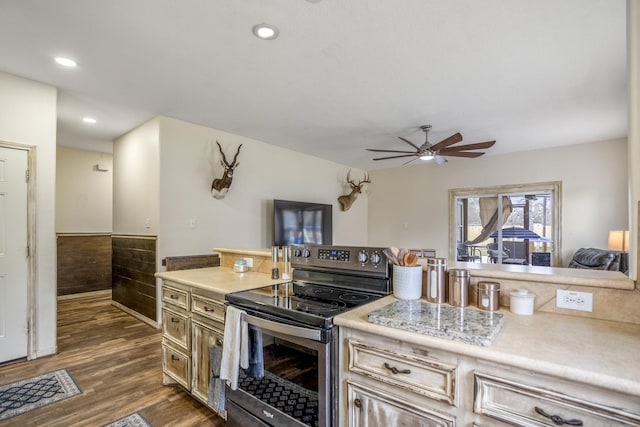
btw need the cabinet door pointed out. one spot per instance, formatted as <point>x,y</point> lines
<point>376,408</point>
<point>203,338</point>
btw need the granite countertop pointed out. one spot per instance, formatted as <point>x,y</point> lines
<point>222,280</point>
<point>464,324</point>
<point>597,352</point>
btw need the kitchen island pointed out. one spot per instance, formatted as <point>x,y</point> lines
<point>193,315</point>
<point>573,367</point>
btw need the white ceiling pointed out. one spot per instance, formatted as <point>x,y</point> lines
<point>343,75</point>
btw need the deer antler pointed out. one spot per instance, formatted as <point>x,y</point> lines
<point>236,156</point>
<point>366,180</point>
<point>224,159</point>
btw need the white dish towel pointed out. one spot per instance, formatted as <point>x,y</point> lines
<point>235,352</point>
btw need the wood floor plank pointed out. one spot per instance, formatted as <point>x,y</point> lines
<point>116,361</point>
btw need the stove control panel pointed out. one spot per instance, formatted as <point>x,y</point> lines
<point>334,255</point>
<point>353,258</point>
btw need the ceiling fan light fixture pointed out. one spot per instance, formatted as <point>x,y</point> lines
<point>427,156</point>
<point>439,160</point>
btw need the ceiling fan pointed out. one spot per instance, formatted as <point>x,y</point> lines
<point>437,152</point>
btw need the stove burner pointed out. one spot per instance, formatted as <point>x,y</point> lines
<point>316,307</point>
<point>318,291</point>
<point>354,297</point>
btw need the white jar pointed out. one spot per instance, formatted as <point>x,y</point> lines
<point>522,302</point>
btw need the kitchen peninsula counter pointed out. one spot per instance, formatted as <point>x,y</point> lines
<point>594,352</point>
<point>221,280</point>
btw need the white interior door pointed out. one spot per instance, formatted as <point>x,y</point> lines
<point>13,254</point>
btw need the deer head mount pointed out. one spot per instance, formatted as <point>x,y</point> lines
<point>347,200</point>
<point>220,186</point>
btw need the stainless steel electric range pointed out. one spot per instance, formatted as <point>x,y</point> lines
<point>296,385</point>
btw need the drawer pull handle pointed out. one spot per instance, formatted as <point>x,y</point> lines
<point>173,296</point>
<point>174,320</point>
<point>174,358</point>
<point>357,403</point>
<point>395,370</point>
<point>207,309</point>
<point>557,419</point>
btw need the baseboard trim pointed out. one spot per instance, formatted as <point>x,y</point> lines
<point>91,294</point>
<point>135,314</point>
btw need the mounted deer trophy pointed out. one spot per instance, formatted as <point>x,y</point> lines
<point>220,186</point>
<point>347,200</point>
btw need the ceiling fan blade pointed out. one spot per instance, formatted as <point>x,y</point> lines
<point>410,143</point>
<point>456,137</point>
<point>462,154</point>
<point>412,160</point>
<point>476,146</point>
<point>388,151</point>
<point>394,157</point>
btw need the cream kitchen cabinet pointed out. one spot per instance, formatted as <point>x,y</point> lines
<point>524,398</point>
<point>386,382</point>
<point>192,322</point>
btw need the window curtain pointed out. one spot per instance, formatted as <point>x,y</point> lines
<point>489,216</point>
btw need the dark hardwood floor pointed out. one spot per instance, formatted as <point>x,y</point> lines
<point>116,361</point>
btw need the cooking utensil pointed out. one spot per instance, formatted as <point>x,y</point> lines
<point>401,253</point>
<point>390,255</point>
<point>410,259</point>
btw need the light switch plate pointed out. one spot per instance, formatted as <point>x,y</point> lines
<point>573,300</point>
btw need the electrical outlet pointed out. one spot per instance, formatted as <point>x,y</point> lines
<point>572,300</point>
<point>249,262</point>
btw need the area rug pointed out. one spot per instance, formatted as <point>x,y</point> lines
<point>133,420</point>
<point>26,395</point>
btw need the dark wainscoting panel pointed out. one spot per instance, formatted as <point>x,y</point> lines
<point>173,263</point>
<point>83,262</point>
<point>134,266</point>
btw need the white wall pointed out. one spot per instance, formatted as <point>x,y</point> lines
<point>28,117</point>
<point>83,193</point>
<point>136,181</point>
<point>189,161</point>
<point>408,206</point>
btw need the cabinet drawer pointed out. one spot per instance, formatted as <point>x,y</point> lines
<point>421,375</point>
<point>207,307</point>
<point>515,403</point>
<point>175,296</point>
<point>177,365</point>
<point>371,407</point>
<point>175,327</point>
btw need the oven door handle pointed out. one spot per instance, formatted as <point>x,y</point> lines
<point>283,328</point>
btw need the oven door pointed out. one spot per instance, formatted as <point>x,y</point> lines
<point>292,385</point>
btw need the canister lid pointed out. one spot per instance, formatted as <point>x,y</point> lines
<point>489,286</point>
<point>458,272</point>
<point>522,294</point>
<point>436,261</point>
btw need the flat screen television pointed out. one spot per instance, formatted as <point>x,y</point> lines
<point>302,222</point>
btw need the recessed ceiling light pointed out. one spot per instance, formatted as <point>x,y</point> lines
<point>265,31</point>
<point>66,61</point>
<point>89,120</point>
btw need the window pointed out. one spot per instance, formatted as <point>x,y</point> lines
<point>527,232</point>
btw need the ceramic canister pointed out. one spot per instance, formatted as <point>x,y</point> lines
<point>521,302</point>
